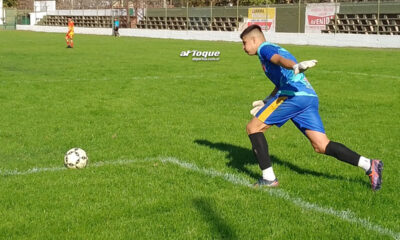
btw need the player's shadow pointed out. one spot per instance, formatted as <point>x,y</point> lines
<point>240,157</point>
<point>219,228</point>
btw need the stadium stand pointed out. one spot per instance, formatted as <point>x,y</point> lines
<point>171,23</point>
<point>389,24</point>
<point>191,23</point>
<point>82,21</point>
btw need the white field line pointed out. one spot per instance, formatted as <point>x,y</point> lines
<point>347,215</point>
<point>55,169</point>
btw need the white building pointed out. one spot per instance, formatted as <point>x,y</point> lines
<point>40,10</point>
<point>1,12</point>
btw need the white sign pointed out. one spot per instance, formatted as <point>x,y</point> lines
<point>318,15</point>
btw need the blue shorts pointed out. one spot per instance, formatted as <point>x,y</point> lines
<point>302,110</point>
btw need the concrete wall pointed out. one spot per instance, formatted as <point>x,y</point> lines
<point>35,17</point>
<point>337,40</point>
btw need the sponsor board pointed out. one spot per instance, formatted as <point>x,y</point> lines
<point>318,15</point>
<point>263,17</point>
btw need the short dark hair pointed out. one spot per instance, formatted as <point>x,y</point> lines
<point>249,29</point>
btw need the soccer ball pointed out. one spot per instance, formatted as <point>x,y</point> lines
<point>75,158</point>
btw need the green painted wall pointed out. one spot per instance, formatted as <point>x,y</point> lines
<point>287,18</point>
<point>370,7</point>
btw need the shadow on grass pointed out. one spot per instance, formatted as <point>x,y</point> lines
<point>218,226</point>
<point>240,157</point>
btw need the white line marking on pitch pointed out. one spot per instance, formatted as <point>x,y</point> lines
<point>347,216</point>
<point>54,169</point>
<point>344,215</point>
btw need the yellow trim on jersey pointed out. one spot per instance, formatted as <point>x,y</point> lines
<point>70,35</point>
<point>271,108</point>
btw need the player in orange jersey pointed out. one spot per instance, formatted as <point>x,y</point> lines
<point>70,34</point>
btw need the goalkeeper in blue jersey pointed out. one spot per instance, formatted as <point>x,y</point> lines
<point>293,98</point>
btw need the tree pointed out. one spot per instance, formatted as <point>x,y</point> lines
<point>10,3</point>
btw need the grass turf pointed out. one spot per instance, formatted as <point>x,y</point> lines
<point>135,98</point>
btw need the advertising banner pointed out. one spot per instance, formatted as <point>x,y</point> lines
<point>264,17</point>
<point>318,15</point>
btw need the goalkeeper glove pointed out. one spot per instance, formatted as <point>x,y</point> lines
<point>257,105</point>
<point>302,66</point>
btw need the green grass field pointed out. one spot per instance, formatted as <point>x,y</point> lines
<point>169,154</point>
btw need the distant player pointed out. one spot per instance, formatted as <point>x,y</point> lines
<point>292,99</point>
<point>116,27</point>
<point>69,38</point>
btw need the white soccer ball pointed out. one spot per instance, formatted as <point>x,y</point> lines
<point>75,158</point>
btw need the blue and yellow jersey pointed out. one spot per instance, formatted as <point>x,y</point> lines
<point>285,80</point>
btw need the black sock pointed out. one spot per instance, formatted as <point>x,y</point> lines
<point>342,153</point>
<point>260,149</point>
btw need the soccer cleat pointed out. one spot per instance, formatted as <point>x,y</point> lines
<point>266,183</point>
<point>375,174</point>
